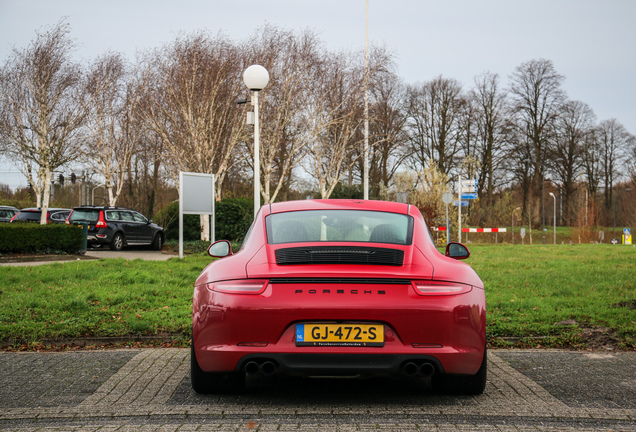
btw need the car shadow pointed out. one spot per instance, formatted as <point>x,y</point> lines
<point>307,392</point>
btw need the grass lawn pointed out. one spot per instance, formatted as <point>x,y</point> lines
<point>542,295</point>
<point>563,295</point>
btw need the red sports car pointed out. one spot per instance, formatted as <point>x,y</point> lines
<point>339,288</point>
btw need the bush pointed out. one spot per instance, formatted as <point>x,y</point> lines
<point>344,191</point>
<point>36,238</point>
<point>233,218</point>
<point>168,218</point>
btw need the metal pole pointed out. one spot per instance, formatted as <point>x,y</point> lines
<point>459,207</point>
<point>365,162</point>
<point>543,206</point>
<point>180,214</point>
<point>513,227</point>
<point>257,156</point>
<point>614,200</point>
<point>553,196</point>
<point>447,227</point>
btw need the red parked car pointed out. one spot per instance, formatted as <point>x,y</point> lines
<point>339,288</point>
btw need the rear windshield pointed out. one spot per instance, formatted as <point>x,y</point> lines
<point>28,216</point>
<point>339,225</point>
<point>7,213</point>
<point>84,216</point>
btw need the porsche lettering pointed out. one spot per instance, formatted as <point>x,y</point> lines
<point>339,291</point>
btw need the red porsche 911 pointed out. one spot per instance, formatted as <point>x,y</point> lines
<point>339,288</point>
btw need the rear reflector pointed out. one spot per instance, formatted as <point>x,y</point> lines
<point>253,344</point>
<point>426,345</point>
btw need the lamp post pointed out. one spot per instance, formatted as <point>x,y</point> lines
<point>554,198</point>
<point>365,162</point>
<point>93,193</point>
<point>256,79</point>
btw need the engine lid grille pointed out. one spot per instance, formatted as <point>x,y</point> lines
<point>340,255</point>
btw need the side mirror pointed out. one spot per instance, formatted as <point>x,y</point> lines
<point>220,249</point>
<point>457,251</point>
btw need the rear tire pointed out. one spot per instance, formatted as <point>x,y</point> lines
<point>213,382</point>
<point>117,243</point>
<point>463,384</point>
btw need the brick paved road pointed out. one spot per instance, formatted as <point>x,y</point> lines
<point>149,390</point>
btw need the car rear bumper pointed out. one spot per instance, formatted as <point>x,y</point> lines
<point>446,331</point>
<point>443,360</point>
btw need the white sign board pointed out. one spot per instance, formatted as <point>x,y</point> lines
<point>196,196</point>
<point>196,193</point>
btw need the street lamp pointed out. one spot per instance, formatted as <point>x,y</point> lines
<point>554,198</point>
<point>256,79</point>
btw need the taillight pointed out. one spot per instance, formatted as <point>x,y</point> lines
<point>68,218</point>
<point>101,223</point>
<point>245,286</point>
<point>440,288</point>
<point>13,218</point>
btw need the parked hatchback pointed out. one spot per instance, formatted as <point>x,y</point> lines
<point>7,212</point>
<point>117,227</point>
<point>54,215</point>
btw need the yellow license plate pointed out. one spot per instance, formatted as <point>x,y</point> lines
<point>340,335</point>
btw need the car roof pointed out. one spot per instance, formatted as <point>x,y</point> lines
<point>339,204</point>
<point>4,207</point>
<point>38,209</point>
<point>87,207</point>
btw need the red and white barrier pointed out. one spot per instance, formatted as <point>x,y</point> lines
<point>477,230</point>
<point>485,230</point>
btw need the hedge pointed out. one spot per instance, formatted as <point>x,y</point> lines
<point>233,218</point>
<point>36,238</point>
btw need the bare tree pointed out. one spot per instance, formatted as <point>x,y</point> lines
<point>42,108</point>
<point>292,61</point>
<point>613,144</point>
<point>113,122</point>
<point>388,120</point>
<point>335,115</point>
<point>491,132</point>
<point>434,122</point>
<point>536,98</point>
<point>574,127</point>
<point>189,103</point>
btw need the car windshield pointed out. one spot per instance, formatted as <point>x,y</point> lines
<point>339,225</point>
<point>84,215</point>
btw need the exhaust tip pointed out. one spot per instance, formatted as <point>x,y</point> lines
<point>410,369</point>
<point>427,369</point>
<point>268,368</point>
<point>251,368</point>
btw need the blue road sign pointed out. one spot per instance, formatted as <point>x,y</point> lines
<point>467,196</point>
<point>463,203</point>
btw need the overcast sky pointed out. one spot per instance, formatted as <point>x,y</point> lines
<point>591,42</point>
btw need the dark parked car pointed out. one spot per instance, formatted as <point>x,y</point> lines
<point>7,212</point>
<point>54,215</point>
<point>117,227</point>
